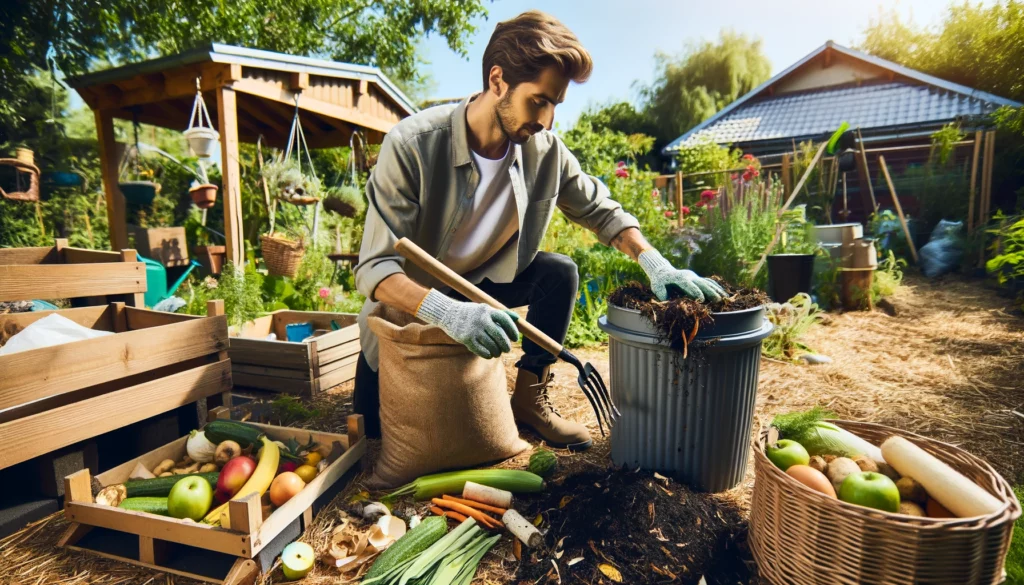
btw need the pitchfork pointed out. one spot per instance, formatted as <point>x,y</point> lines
<point>589,379</point>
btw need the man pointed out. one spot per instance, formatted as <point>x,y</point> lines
<point>475,185</point>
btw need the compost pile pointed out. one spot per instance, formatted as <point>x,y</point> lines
<point>647,528</point>
<point>679,319</point>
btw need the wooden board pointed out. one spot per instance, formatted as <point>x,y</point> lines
<point>144,319</point>
<point>165,245</point>
<point>337,352</point>
<point>85,256</point>
<point>339,376</point>
<point>47,255</point>
<point>339,363</point>
<point>319,319</point>
<point>302,387</point>
<point>20,282</point>
<point>47,431</point>
<point>237,368</point>
<point>99,318</point>
<point>51,371</point>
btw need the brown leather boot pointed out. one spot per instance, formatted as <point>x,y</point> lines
<point>532,407</point>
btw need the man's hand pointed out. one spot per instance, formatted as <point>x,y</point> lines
<point>485,331</point>
<point>663,276</point>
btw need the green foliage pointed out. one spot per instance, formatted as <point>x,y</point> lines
<point>820,188</point>
<point>692,86</point>
<point>798,235</point>
<point>1015,556</point>
<point>240,289</point>
<point>1007,251</point>
<point>583,329</point>
<point>704,155</point>
<point>888,277</point>
<point>941,191</point>
<point>794,424</point>
<point>792,320</point>
<point>739,233</point>
<point>943,142</point>
<point>288,410</point>
<point>827,285</point>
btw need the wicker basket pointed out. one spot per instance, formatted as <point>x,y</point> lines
<point>801,537</point>
<point>281,255</point>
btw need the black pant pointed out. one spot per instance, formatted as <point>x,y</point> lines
<point>548,286</point>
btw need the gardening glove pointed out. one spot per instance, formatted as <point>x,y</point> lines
<point>485,331</point>
<point>663,276</point>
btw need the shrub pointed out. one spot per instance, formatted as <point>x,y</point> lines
<point>792,320</point>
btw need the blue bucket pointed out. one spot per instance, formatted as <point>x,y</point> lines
<point>298,331</point>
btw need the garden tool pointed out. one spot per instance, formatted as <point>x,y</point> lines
<point>589,379</point>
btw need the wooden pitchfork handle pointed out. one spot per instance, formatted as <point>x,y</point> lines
<point>432,266</point>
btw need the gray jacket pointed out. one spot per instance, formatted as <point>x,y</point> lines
<point>423,185</point>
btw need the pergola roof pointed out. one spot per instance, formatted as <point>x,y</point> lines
<point>334,98</point>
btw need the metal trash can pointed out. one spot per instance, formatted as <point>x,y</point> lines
<point>690,419</point>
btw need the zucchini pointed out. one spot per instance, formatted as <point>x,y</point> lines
<point>161,486</point>
<point>149,505</point>
<point>417,540</point>
<point>218,431</point>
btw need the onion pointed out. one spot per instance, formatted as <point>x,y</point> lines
<point>199,448</point>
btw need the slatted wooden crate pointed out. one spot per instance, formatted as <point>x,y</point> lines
<point>63,272</point>
<point>296,368</point>
<point>56,396</point>
<point>232,555</point>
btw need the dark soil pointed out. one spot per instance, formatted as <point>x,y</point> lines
<point>679,319</point>
<point>652,530</point>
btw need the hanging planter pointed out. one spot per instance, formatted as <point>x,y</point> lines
<point>139,192</point>
<point>204,196</point>
<point>281,255</point>
<point>201,139</point>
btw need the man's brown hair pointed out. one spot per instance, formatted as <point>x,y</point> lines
<point>527,44</point>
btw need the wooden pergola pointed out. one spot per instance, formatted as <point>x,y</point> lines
<point>251,94</point>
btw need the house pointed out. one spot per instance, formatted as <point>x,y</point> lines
<point>896,110</point>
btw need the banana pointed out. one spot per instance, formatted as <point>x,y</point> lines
<point>258,483</point>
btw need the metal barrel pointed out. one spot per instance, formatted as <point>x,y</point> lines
<point>689,419</point>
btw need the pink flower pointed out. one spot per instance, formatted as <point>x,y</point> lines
<point>622,172</point>
<point>620,164</point>
<point>669,213</point>
<point>701,203</point>
<point>655,194</point>
<point>686,210</point>
<point>707,195</point>
<point>757,173</point>
<point>751,169</point>
<point>324,292</point>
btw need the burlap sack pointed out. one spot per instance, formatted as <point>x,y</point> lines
<point>441,407</point>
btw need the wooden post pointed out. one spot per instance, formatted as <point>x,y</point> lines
<point>868,193</point>
<point>899,208</point>
<point>215,308</point>
<point>679,197</point>
<point>227,115</point>
<point>116,219</point>
<point>787,177</point>
<point>974,177</point>
<point>985,205</point>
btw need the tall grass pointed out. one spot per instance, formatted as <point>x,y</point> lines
<point>792,320</point>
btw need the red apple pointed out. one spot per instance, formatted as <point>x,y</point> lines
<point>233,476</point>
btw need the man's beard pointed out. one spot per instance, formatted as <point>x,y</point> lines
<point>506,121</point>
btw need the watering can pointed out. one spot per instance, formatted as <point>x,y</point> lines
<point>156,281</point>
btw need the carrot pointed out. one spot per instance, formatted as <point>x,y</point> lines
<point>696,324</point>
<point>477,505</point>
<point>448,514</point>
<point>471,512</point>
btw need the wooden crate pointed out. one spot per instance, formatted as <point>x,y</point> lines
<point>165,245</point>
<point>295,368</point>
<point>56,396</point>
<point>62,272</point>
<point>230,555</point>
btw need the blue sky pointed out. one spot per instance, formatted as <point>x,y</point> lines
<point>623,37</point>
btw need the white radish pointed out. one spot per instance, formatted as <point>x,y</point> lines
<point>952,489</point>
<point>487,495</point>
<point>522,529</point>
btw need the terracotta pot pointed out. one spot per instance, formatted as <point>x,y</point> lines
<point>211,257</point>
<point>204,196</point>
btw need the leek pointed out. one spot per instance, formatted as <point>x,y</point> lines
<point>823,438</point>
<point>452,482</point>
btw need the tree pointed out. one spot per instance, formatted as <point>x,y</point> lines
<point>382,33</point>
<point>691,87</point>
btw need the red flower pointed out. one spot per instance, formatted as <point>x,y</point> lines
<point>622,172</point>
<point>735,176</point>
<point>751,168</point>
<point>747,176</point>
<point>669,213</point>
<point>757,173</point>
<point>707,195</point>
<point>686,210</point>
<point>620,164</point>
<point>701,203</point>
<point>655,194</point>
<point>748,157</point>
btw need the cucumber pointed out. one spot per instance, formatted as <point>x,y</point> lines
<point>417,540</point>
<point>218,431</point>
<point>149,505</point>
<point>161,486</point>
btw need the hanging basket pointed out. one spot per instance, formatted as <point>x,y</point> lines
<point>204,196</point>
<point>202,141</point>
<point>299,199</point>
<point>282,256</point>
<point>139,192</point>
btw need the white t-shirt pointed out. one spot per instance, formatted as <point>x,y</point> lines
<point>491,222</point>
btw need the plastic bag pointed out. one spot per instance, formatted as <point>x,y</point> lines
<point>50,330</point>
<point>944,251</point>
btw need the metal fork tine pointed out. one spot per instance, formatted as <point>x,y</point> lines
<point>604,403</point>
<point>589,393</point>
<point>603,388</point>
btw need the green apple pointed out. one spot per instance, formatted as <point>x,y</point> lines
<point>296,560</point>
<point>786,453</point>
<point>190,498</point>
<point>872,490</point>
